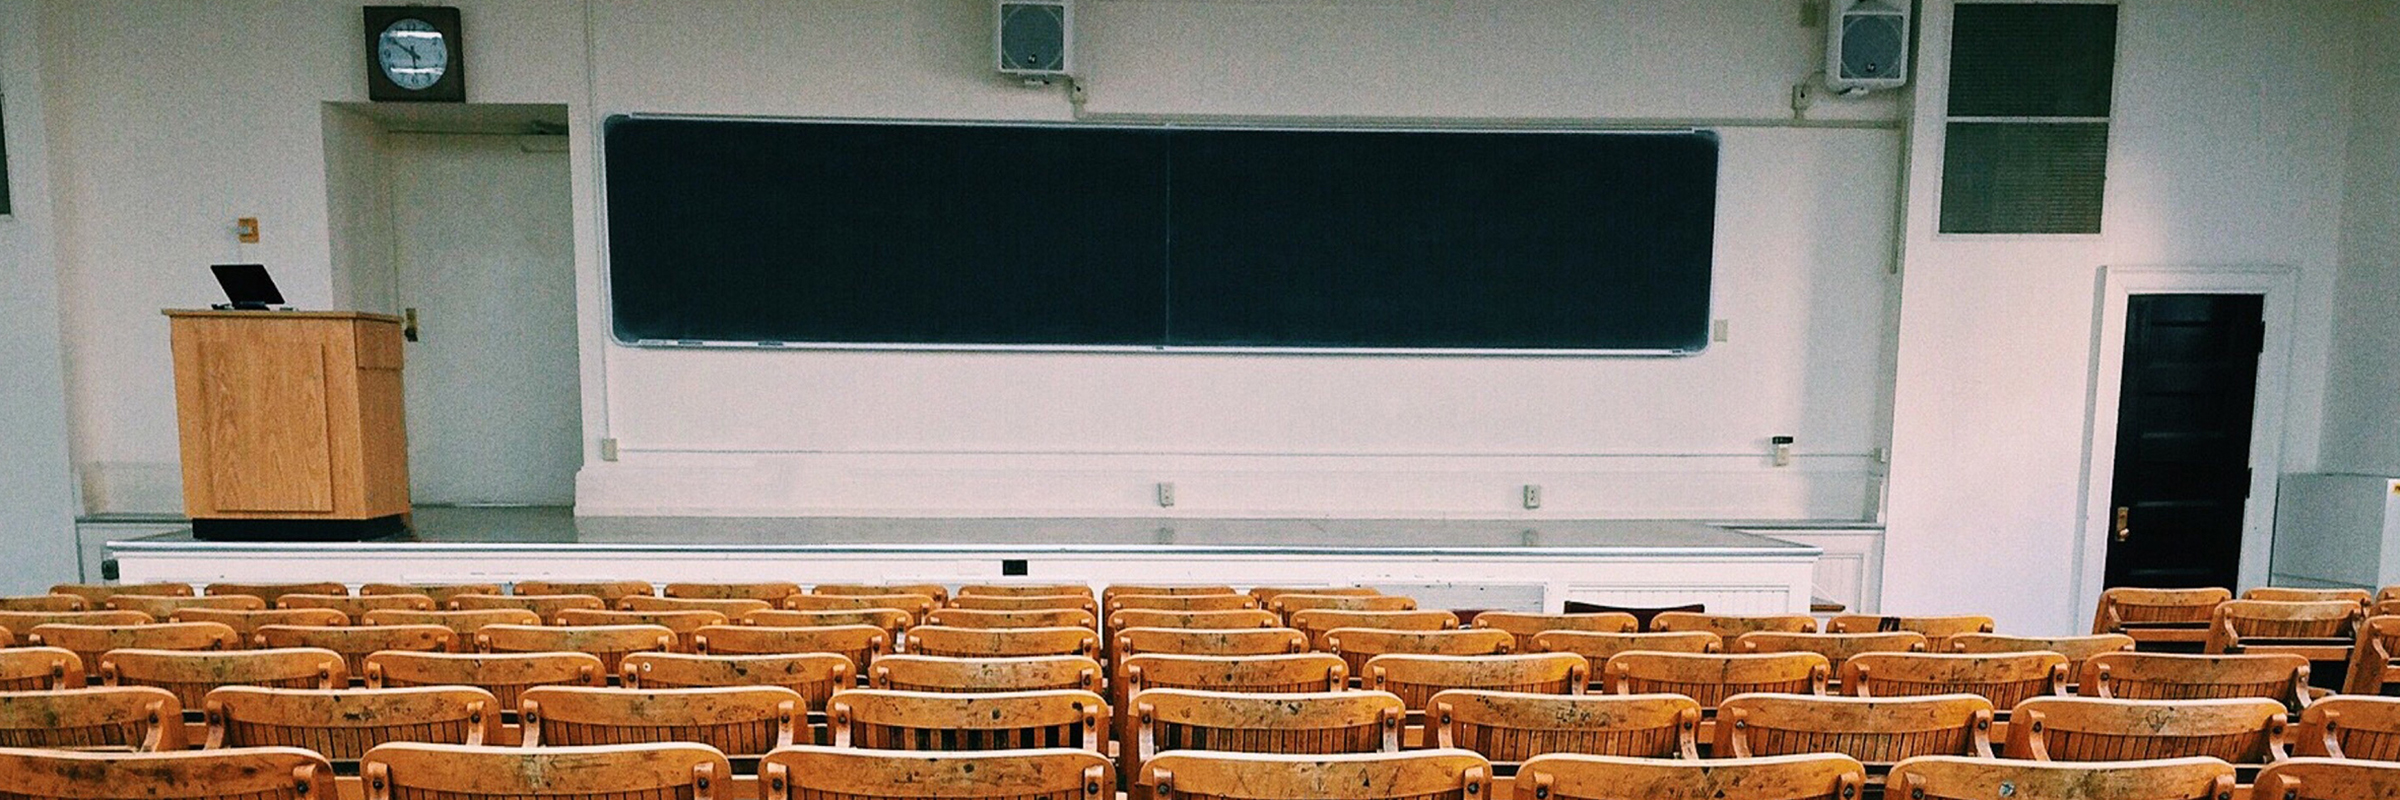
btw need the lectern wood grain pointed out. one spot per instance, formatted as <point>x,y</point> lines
<point>290,415</point>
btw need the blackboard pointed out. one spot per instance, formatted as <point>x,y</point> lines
<point>967,235</point>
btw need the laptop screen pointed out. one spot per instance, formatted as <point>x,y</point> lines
<point>247,285</point>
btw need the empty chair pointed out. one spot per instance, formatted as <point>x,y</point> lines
<point>1162,618</point>
<point>1514,726</point>
<point>1835,647</point>
<point>1182,602</point>
<point>20,624</point>
<point>2294,594</point>
<point>2158,615</point>
<point>862,644</point>
<point>1937,630</point>
<point>258,773</point>
<point>1566,776</point>
<point>24,669</point>
<point>938,593</point>
<point>2075,648</point>
<point>1732,626</point>
<point>90,641</point>
<point>917,605</point>
<point>1314,723</point>
<point>161,607</point>
<point>736,720</point>
<point>1598,647</point>
<point>440,592</point>
<point>502,674</point>
<point>2344,726</point>
<point>1294,672</point>
<point>731,607</point>
<point>1712,677</point>
<point>271,592</point>
<point>1416,679</point>
<point>892,620</point>
<point>2242,730</point>
<point>816,676</point>
<point>683,623</point>
<point>2318,630</point>
<point>2173,676</point>
<point>2375,656</point>
<point>122,718</point>
<point>920,673</point>
<point>545,606</point>
<point>2006,678</point>
<point>1316,621</point>
<point>1116,590</point>
<point>245,624</point>
<point>609,642</point>
<point>770,591</point>
<point>356,642</point>
<point>2327,779</point>
<point>1963,778</point>
<point>939,640</point>
<point>95,595</point>
<point>609,592</point>
<point>355,606</point>
<point>408,770</point>
<point>1286,604</point>
<point>1414,775</point>
<point>1357,645</point>
<point>464,623</point>
<point>343,724</point>
<point>1525,625</point>
<point>1873,730</point>
<point>1267,594</point>
<point>1034,618</point>
<point>1027,602</point>
<point>830,773</point>
<point>1024,589</point>
<point>1210,641</point>
<point>884,719</point>
<point>190,675</point>
<point>45,602</point>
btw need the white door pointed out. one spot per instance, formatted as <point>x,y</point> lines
<point>484,247</point>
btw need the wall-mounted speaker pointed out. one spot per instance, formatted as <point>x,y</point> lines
<point>1866,45</point>
<point>1035,37</point>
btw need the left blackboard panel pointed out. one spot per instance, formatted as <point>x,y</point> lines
<point>730,231</point>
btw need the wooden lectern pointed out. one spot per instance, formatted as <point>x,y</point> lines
<point>291,424</point>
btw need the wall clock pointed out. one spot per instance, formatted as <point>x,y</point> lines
<point>415,53</point>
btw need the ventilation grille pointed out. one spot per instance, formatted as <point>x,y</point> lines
<point>2030,99</point>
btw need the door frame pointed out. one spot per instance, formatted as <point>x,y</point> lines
<point>2279,287</point>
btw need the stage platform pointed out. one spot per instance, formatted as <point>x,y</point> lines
<point>1492,564</point>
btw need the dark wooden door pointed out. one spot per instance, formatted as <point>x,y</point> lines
<point>2183,439</point>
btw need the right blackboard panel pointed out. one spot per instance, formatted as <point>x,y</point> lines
<point>1505,241</point>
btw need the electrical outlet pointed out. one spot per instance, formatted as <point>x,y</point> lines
<point>1533,495</point>
<point>1781,450</point>
<point>1166,495</point>
<point>246,229</point>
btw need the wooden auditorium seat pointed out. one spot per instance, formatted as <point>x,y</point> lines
<point>2281,677</point>
<point>609,592</point>
<point>1416,679</point>
<point>2350,726</point>
<point>938,593</point>
<point>1357,645</point>
<point>921,673</point>
<point>1028,602</point>
<point>1962,778</point>
<point>161,607</point>
<point>245,624</point>
<point>2374,656</point>
<point>45,602</point>
<point>609,642</point>
<point>2317,630</point>
<point>1877,731</point>
<point>544,606</point>
<point>1116,590</point>
<point>2005,678</point>
<point>862,644</point>
<point>943,640</point>
<point>271,592</point>
<point>739,721</point>
<point>355,606</point>
<point>1267,594</point>
<point>440,592</point>
<point>884,719</point>
<point>1598,647</point>
<point>1209,641</point>
<point>503,674</point>
<point>1315,723</point>
<point>1181,602</point>
<point>257,773</point>
<point>1510,727</point>
<point>1711,677</point>
<point>915,604</point>
<point>683,623</point>
<point>464,623</point>
<point>1288,673</point>
<point>1731,626</point>
<point>1525,625</point>
<point>95,595</point>
<point>343,724</point>
<point>412,771</point>
<point>25,669</point>
<point>816,676</point>
<point>892,620</point>
<point>2158,615</point>
<point>773,592</point>
<point>731,607</point>
<point>1937,630</point>
<point>190,675</point>
<point>1161,618</point>
<point>2327,779</point>
<point>831,773</point>
<point>1835,647</point>
<point>1288,604</point>
<point>1818,776</point>
<point>20,624</point>
<point>1031,618</point>
<point>90,641</point>
<point>2239,731</point>
<point>112,718</point>
<point>1023,589</point>
<point>2077,649</point>
<point>356,642</point>
<point>1316,621</point>
<point>2299,595</point>
<point>1409,775</point>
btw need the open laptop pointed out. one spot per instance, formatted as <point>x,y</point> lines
<point>247,285</point>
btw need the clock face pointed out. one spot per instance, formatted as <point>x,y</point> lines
<point>412,53</point>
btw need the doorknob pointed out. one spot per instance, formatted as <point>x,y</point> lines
<point>408,326</point>
<point>2124,527</point>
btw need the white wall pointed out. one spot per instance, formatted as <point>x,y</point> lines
<point>2227,148</point>
<point>2362,404</point>
<point>37,511</point>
